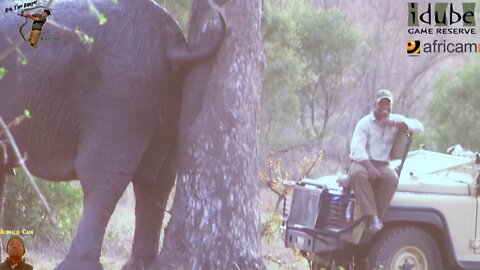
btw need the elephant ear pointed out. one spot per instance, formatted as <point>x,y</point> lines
<point>182,57</point>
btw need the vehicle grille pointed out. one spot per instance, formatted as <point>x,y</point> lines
<point>306,206</point>
<point>336,209</point>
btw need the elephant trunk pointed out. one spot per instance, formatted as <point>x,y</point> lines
<point>182,57</point>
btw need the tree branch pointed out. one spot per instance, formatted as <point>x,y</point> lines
<point>21,162</point>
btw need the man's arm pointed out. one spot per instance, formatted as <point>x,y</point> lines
<point>403,123</point>
<point>31,17</point>
<point>413,125</point>
<point>407,124</point>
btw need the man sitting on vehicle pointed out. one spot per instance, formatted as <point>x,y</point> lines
<point>374,182</point>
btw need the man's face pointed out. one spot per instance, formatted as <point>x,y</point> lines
<point>45,14</point>
<point>15,248</point>
<point>383,108</point>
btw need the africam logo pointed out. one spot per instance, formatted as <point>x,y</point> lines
<point>413,47</point>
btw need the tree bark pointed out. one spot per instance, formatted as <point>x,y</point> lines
<point>215,220</point>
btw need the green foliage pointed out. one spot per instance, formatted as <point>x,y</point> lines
<point>285,74</point>
<point>180,9</point>
<point>85,38</point>
<point>308,54</point>
<point>24,210</point>
<point>453,111</point>
<point>102,18</point>
<point>23,60</point>
<point>328,46</point>
<point>27,114</point>
<point>327,42</point>
<point>3,72</point>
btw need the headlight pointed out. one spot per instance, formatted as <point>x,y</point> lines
<point>349,213</point>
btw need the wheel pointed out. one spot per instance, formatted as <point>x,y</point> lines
<point>405,248</point>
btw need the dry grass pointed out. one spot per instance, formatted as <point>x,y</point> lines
<point>117,242</point>
<point>276,255</point>
<point>119,235</point>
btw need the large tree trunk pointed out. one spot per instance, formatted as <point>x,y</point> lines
<point>215,222</point>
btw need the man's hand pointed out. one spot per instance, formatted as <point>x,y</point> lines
<point>373,172</point>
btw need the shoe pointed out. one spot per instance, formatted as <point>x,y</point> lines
<point>375,225</point>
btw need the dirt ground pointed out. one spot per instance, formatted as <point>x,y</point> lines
<point>276,255</point>
<point>119,236</point>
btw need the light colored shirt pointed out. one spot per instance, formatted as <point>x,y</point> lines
<point>371,141</point>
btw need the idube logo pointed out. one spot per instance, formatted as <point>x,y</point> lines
<point>444,14</point>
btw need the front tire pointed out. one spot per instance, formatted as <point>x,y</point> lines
<point>405,248</point>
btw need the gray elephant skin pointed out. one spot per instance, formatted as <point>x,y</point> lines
<point>105,113</point>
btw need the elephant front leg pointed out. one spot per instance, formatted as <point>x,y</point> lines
<point>151,202</point>
<point>98,205</point>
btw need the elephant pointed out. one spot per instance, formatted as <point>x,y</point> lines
<point>105,112</point>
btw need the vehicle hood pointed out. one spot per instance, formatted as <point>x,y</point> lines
<point>433,172</point>
<point>425,172</point>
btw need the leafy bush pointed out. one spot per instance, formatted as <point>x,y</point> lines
<point>23,208</point>
<point>453,109</point>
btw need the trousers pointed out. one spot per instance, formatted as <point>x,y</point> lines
<point>373,196</point>
<point>34,37</point>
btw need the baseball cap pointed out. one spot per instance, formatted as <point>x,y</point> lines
<point>383,93</point>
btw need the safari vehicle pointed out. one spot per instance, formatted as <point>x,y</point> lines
<point>433,222</point>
